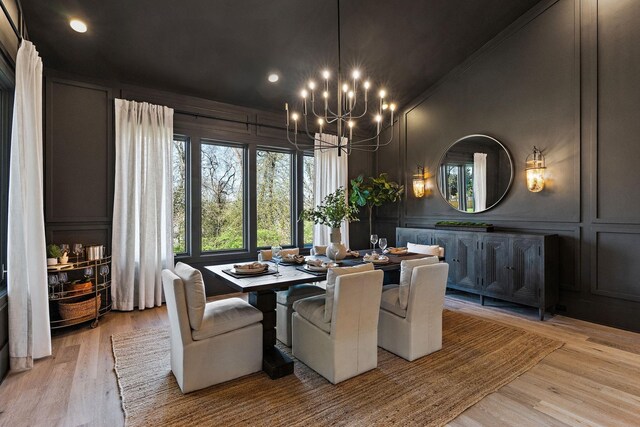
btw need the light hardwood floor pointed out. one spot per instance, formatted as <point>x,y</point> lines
<point>594,379</point>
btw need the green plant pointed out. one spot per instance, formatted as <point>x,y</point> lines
<point>374,192</point>
<point>54,251</point>
<point>332,211</point>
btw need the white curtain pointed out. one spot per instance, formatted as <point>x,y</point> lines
<point>29,335</point>
<point>331,173</point>
<point>479,181</point>
<point>142,206</point>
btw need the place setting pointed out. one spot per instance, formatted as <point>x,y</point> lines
<point>251,269</point>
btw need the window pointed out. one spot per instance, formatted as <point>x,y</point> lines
<point>222,196</point>
<point>179,168</point>
<point>273,198</point>
<point>308,184</point>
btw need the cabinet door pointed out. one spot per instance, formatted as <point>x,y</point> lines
<point>448,242</point>
<point>466,261</point>
<point>526,269</point>
<point>495,265</point>
<point>425,238</point>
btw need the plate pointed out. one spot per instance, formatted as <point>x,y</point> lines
<point>249,270</point>
<point>396,251</point>
<point>318,268</point>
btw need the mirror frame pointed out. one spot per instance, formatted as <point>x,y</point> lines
<point>506,191</point>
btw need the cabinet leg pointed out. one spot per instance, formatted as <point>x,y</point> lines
<point>481,299</point>
<point>541,313</point>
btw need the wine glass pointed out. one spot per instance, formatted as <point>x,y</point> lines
<point>373,239</point>
<point>53,281</point>
<point>382,243</point>
<point>62,279</point>
<point>77,250</point>
<point>104,271</point>
<point>64,247</point>
<point>276,252</point>
<point>88,273</point>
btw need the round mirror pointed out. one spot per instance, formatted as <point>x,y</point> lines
<point>475,173</point>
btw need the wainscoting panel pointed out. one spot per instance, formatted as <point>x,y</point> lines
<point>618,127</point>
<point>615,265</point>
<point>78,166</point>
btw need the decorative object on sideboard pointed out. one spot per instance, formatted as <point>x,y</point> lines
<point>374,192</point>
<point>535,167</point>
<point>475,173</point>
<point>338,116</point>
<point>464,225</point>
<point>331,212</point>
<point>53,252</point>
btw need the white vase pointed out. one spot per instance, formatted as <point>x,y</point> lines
<point>336,250</point>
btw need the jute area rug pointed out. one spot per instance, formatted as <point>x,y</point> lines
<point>477,358</point>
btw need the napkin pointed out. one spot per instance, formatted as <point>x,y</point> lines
<point>251,266</point>
<point>315,262</point>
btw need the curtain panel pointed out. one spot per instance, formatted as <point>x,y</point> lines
<point>142,207</point>
<point>332,172</point>
<point>29,334</point>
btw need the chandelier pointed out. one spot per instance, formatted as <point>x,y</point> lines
<point>339,115</point>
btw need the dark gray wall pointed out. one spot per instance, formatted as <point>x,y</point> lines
<point>563,78</point>
<point>79,155</point>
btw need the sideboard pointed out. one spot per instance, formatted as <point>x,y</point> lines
<point>516,267</point>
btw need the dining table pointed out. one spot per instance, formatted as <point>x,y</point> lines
<point>262,288</point>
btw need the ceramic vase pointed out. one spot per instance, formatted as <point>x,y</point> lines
<point>336,250</point>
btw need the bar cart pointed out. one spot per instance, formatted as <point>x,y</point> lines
<point>79,292</point>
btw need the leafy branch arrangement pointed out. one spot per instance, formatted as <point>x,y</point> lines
<point>464,224</point>
<point>332,211</point>
<point>374,192</point>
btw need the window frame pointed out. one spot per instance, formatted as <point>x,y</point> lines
<point>187,196</point>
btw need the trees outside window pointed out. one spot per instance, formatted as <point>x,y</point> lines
<point>273,198</point>
<point>179,168</point>
<point>222,197</point>
<point>308,184</point>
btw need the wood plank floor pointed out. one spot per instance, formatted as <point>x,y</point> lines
<point>593,380</point>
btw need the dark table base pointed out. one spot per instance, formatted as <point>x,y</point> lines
<point>275,363</point>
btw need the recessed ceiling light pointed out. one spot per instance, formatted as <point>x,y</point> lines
<point>273,77</point>
<point>78,25</point>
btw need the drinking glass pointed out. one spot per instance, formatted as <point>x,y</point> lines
<point>63,278</point>
<point>77,250</point>
<point>276,252</point>
<point>382,243</point>
<point>373,239</point>
<point>88,273</point>
<point>53,281</point>
<point>104,271</point>
<point>64,247</point>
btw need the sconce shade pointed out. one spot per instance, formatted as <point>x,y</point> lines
<point>418,185</point>
<point>535,171</point>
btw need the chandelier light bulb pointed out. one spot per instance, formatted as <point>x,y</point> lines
<point>367,84</point>
<point>294,116</point>
<point>378,118</point>
<point>392,107</point>
<point>383,93</point>
<point>350,94</point>
<point>356,74</point>
<point>320,122</point>
<point>312,85</point>
<point>325,94</point>
<point>345,88</point>
<point>351,123</point>
<point>304,93</point>
<point>326,74</point>
<point>385,106</point>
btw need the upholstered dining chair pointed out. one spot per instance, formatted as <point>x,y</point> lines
<point>415,329</point>
<point>211,342</point>
<point>336,334</point>
<point>286,298</point>
<point>431,250</point>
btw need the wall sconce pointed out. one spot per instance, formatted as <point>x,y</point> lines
<point>419,182</point>
<point>535,171</point>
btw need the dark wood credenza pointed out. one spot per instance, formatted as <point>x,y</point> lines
<point>515,267</point>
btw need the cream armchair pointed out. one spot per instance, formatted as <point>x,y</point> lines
<point>346,345</point>
<point>417,330</point>
<point>210,342</point>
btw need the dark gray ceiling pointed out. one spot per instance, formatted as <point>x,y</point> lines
<point>224,49</point>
